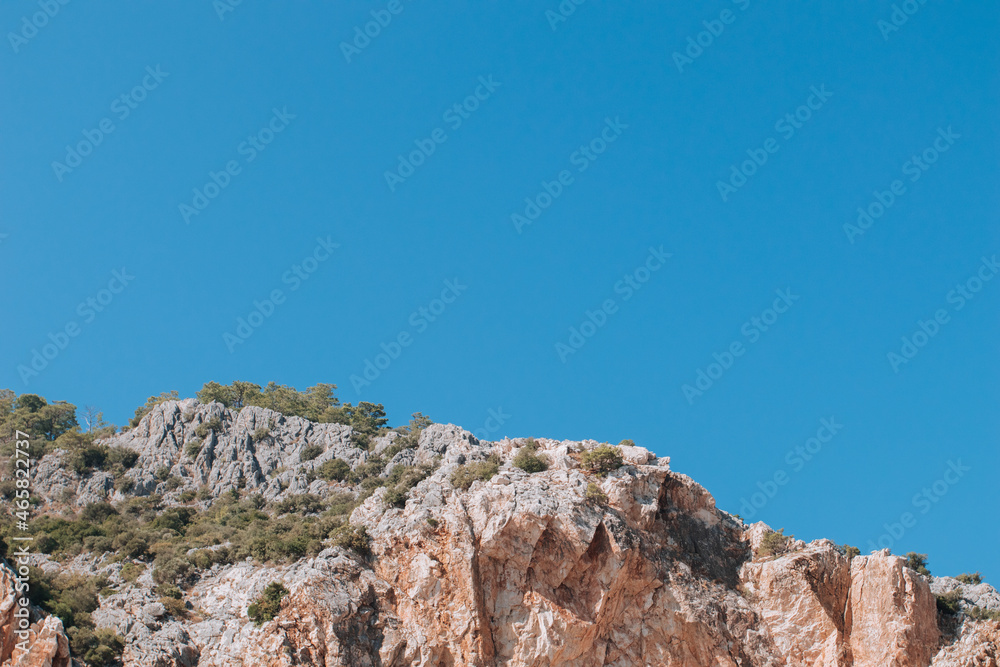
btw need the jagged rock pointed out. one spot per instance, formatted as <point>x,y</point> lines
<point>31,640</point>
<point>521,569</point>
<point>983,596</point>
<point>978,645</point>
<point>893,614</point>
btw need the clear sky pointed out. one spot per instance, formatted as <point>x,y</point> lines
<point>602,174</point>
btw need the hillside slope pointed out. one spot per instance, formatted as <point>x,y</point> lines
<point>434,548</point>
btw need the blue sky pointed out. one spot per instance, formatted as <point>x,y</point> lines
<point>624,144</point>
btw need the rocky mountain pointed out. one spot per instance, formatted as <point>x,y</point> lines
<point>435,548</point>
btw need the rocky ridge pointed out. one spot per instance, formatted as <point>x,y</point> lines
<point>520,569</point>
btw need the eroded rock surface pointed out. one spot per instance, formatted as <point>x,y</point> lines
<point>560,567</point>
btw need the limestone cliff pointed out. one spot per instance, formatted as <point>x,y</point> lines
<point>560,567</point>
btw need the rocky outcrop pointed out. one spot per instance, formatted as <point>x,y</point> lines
<point>27,639</point>
<point>233,452</point>
<point>892,614</point>
<point>560,567</point>
<point>977,645</point>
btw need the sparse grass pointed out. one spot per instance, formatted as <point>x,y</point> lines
<point>979,614</point>
<point>268,605</point>
<point>401,480</point>
<point>175,607</point>
<point>463,476</point>
<point>595,494</point>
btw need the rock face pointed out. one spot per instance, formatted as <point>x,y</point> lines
<point>234,452</point>
<point>560,567</point>
<point>31,641</point>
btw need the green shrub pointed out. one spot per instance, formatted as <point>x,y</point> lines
<point>262,434</point>
<point>87,459</point>
<point>401,480</point>
<point>310,452</point>
<point>970,579</point>
<point>372,468</point>
<point>773,543</point>
<point>173,482</point>
<point>268,605</point>
<point>97,648</point>
<point>528,460</point>
<point>203,429</point>
<point>949,602</point>
<point>186,496</point>
<point>98,512</point>
<point>120,456</point>
<point>334,470</point>
<point>175,606</point>
<point>169,591</point>
<point>978,614</point>
<point>432,522</point>
<point>193,448</point>
<point>341,504</point>
<point>409,435</point>
<point>918,563</point>
<point>626,443</point>
<point>124,484</point>
<point>601,459</point>
<point>162,473</point>
<point>131,571</point>
<point>595,493</point>
<point>72,597</point>
<point>851,552</point>
<point>170,571</point>
<point>355,538</point>
<point>465,475</point>
<point>303,503</point>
